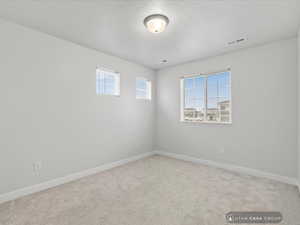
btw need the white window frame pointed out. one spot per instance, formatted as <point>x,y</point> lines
<point>117,78</point>
<point>148,89</point>
<point>182,97</point>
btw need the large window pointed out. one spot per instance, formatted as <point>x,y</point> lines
<point>206,98</point>
<point>143,88</point>
<point>107,82</point>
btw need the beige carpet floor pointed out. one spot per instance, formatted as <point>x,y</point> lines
<point>154,191</point>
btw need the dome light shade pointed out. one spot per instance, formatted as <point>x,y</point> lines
<point>156,23</point>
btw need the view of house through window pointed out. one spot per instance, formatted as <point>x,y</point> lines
<point>107,82</point>
<point>143,88</point>
<point>207,98</point>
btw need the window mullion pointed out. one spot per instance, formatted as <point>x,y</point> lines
<point>205,99</point>
<point>218,99</point>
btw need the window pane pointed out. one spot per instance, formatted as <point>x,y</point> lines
<point>110,84</point>
<point>141,84</point>
<point>141,93</point>
<point>218,97</point>
<point>107,83</point>
<point>143,88</point>
<point>194,103</point>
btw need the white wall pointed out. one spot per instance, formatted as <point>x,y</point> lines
<point>263,135</point>
<point>299,109</point>
<point>50,111</point>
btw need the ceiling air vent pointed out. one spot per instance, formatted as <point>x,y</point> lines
<point>238,41</point>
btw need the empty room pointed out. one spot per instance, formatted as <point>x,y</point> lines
<point>161,112</point>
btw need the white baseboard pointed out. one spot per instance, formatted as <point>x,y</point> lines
<point>239,169</point>
<point>62,180</point>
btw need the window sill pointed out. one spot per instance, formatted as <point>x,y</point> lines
<point>107,95</point>
<point>206,122</point>
<point>145,99</point>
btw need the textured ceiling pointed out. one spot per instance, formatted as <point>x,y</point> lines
<point>197,29</point>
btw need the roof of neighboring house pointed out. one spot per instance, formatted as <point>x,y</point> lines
<point>226,101</point>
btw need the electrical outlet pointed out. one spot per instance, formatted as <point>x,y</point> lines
<point>37,166</point>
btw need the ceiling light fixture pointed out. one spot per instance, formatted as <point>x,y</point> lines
<point>156,23</point>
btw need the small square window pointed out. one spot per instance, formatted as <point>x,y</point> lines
<point>107,82</point>
<point>143,88</point>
